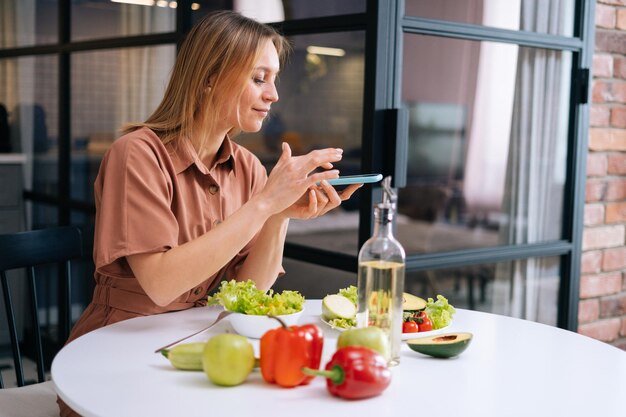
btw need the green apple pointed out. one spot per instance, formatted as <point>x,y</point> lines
<point>228,359</point>
<point>371,337</point>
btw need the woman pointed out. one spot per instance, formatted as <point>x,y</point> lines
<point>179,206</point>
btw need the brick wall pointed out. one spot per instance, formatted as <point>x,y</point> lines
<point>602,308</point>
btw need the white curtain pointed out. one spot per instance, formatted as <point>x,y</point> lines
<point>144,72</point>
<point>534,179</point>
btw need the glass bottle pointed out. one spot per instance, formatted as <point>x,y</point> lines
<point>381,276</point>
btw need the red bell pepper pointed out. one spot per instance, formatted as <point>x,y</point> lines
<point>355,372</point>
<point>286,350</point>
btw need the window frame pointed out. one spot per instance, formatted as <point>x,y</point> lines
<point>384,24</point>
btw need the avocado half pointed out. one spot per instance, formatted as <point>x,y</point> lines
<point>441,346</point>
<point>411,302</point>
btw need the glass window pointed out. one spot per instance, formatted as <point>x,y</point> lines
<point>487,144</point>
<point>307,278</point>
<point>526,289</point>
<point>321,105</point>
<point>555,17</point>
<point>28,23</point>
<point>268,11</point>
<point>128,87</point>
<point>92,19</point>
<point>29,109</point>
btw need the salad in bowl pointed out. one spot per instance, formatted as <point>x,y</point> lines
<point>252,307</point>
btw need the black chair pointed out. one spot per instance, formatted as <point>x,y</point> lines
<point>26,250</point>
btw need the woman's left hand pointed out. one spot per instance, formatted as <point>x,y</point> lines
<point>319,200</point>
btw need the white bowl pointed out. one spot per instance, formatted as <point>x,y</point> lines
<point>255,326</point>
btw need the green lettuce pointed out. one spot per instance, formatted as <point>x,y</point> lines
<point>245,297</point>
<point>440,311</point>
<point>350,293</point>
<point>343,323</point>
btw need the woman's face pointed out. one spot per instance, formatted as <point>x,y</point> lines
<point>259,92</point>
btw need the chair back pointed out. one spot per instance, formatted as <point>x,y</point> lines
<point>26,250</point>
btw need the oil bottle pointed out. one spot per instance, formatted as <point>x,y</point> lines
<point>381,276</point>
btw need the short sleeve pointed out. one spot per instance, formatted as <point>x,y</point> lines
<point>133,198</point>
<point>257,183</point>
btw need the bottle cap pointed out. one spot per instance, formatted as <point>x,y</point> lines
<point>389,196</point>
<point>386,209</point>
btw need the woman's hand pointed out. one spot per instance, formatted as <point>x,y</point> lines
<point>319,201</point>
<point>289,180</point>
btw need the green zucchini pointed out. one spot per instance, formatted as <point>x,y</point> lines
<point>187,356</point>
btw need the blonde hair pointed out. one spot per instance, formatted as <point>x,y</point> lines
<point>220,50</point>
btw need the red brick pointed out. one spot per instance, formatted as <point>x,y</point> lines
<point>618,117</point>
<point>622,331</point>
<point>588,310</point>
<point>616,189</point>
<point>605,16</point>
<point>607,139</point>
<point>615,213</point>
<point>594,214</point>
<point>620,344</point>
<point>617,164</point>
<point>614,259</point>
<point>615,2</point>
<point>621,19</point>
<point>603,237</point>
<point>605,330</point>
<point>599,115</point>
<point>601,92</point>
<point>613,306</point>
<point>610,41</point>
<point>619,67</point>
<point>591,262</point>
<point>618,91</point>
<point>603,65</point>
<point>600,284</point>
<point>597,165</point>
<point>595,190</point>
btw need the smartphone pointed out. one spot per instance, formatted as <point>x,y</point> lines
<point>356,179</point>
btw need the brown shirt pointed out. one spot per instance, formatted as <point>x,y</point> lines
<point>152,197</point>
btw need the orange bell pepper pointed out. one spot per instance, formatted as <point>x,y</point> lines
<point>286,350</point>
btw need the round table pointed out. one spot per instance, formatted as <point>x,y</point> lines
<point>512,368</point>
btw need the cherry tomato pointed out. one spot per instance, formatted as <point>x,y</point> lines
<point>410,327</point>
<point>426,325</point>
<point>420,315</point>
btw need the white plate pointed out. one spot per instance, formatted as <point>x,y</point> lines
<point>405,336</point>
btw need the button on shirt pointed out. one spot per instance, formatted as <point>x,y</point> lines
<point>152,197</point>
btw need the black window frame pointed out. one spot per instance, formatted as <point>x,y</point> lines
<point>384,24</point>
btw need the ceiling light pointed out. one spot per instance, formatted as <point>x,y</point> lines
<point>173,4</point>
<point>322,50</point>
<point>161,3</point>
<point>195,6</point>
<point>138,2</point>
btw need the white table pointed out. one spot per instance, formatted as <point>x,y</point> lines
<point>512,368</point>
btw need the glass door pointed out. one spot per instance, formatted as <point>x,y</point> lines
<point>491,105</point>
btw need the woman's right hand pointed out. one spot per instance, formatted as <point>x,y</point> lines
<point>290,178</point>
